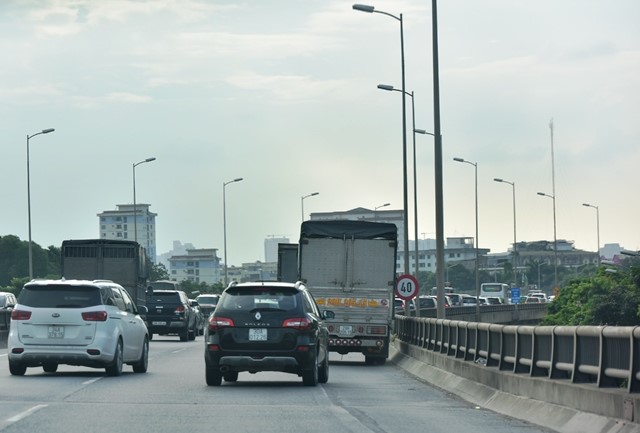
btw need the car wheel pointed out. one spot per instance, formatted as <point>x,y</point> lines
<point>143,362</point>
<point>310,377</point>
<point>184,336</point>
<point>323,373</point>
<point>214,377</point>
<point>17,369</point>
<point>150,336</point>
<point>231,376</point>
<point>192,334</point>
<point>50,367</point>
<point>115,368</point>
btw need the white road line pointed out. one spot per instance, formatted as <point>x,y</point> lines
<point>89,382</point>
<point>179,350</point>
<point>26,413</point>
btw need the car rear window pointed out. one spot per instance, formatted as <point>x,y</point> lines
<point>60,296</point>
<point>163,298</point>
<point>269,298</point>
<point>164,285</point>
<point>207,299</point>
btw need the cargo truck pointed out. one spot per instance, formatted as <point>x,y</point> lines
<point>349,267</point>
<point>121,261</point>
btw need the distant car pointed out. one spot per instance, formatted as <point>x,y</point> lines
<point>7,301</point>
<point>207,303</point>
<point>200,318</point>
<point>77,322</point>
<point>267,326</point>
<point>170,313</point>
<point>469,301</point>
<point>494,300</point>
<point>533,300</point>
<point>455,299</point>
<point>539,295</point>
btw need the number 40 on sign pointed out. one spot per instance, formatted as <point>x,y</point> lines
<point>406,287</point>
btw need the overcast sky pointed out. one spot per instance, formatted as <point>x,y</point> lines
<point>283,93</point>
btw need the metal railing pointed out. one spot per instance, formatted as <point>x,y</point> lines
<point>607,356</point>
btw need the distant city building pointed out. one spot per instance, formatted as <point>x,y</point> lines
<point>120,224</point>
<point>197,265</point>
<point>537,252</point>
<point>271,247</point>
<point>179,249</point>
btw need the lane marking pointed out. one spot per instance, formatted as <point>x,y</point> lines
<point>179,350</point>
<point>26,413</point>
<point>89,382</point>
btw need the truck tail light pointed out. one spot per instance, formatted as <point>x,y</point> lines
<point>95,316</point>
<point>299,323</point>
<point>377,330</point>
<point>216,323</point>
<point>20,315</point>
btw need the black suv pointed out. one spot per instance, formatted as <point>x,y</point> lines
<point>170,313</point>
<point>267,326</point>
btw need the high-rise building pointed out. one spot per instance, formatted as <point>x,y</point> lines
<point>271,247</point>
<point>120,224</point>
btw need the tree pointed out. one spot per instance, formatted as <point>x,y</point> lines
<point>158,272</point>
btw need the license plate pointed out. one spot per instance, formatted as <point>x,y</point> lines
<point>56,331</point>
<point>257,334</point>
<point>159,323</point>
<point>345,330</point>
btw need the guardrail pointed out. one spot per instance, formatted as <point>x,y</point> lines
<point>504,313</point>
<point>607,356</point>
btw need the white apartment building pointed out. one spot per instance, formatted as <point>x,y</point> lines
<point>121,224</point>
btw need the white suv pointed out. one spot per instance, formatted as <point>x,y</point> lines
<point>76,322</point>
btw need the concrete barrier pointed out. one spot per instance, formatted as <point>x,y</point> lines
<point>556,404</point>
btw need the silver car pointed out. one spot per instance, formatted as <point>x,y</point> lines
<point>76,322</point>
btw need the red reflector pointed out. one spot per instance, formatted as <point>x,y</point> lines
<point>93,351</point>
<point>17,350</point>
<point>216,323</point>
<point>300,323</point>
<point>20,315</point>
<point>377,330</point>
<point>303,348</point>
<point>214,347</point>
<point>95,316</point>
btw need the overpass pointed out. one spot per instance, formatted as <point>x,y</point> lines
<point>584,369</point>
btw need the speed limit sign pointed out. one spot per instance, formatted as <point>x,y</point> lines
<point>406,287</point>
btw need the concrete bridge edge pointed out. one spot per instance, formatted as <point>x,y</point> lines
<point>475,388</point>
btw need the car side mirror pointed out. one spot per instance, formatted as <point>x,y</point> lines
<point>328,314</point>
<point>142,309</point>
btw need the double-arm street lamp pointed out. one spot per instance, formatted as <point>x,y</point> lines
<point>515,248</point>
<point>597,226</point>
<point>475,167</point>
<point>302,202</point>
<point>224,224</point>
<point>135,209</point>
<point>371,9</point>
<point>555,241</point>
<point>44,131</point>
<point>415,176</point>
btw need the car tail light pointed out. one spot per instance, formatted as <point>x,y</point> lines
<point>216,323</point>
<point>20,315</point>
<point>299,323</point>
<point>180,309</point>
<point>95,316</point>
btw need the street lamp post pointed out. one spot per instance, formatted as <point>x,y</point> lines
<point>515,248</point>
<point>302,202</point>
<point>371,9</point>
<point>375,210</point>
<point>224,224</point>
<point>475,167</point>
<point>415,176</point>
<point>555,241</point>
<point>597,226</point>
<point>135,209</point>
<point>44,131</point>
